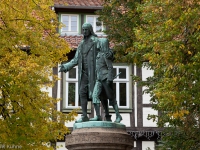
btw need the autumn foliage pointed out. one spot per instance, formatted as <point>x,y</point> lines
<point>29,48</point>
<point>166,35</point>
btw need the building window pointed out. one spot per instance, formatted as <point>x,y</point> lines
<point>70,22</point>
<point>97,25</point>
<point>70,89</point>
<point>122,85</point>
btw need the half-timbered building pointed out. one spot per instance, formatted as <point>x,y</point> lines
<point>133,104</point>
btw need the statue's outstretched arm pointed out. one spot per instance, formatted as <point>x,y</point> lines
<point>69,65</point>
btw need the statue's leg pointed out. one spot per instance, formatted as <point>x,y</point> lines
<point>104,102</point>
<point>110,95</point>
<point>84,105</point>
<point>115,107</point>
<point>118,116</point>
<point>98,116</point>
<point>107,94</point>
<point>96,101</point>
<point>83,95</point>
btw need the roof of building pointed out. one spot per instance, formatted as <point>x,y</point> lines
<point>73,40</point>
<point>83,3</point>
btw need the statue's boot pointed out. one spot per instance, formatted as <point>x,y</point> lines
<point>118,116</point>
<point>108,117</point>
<point>118,119</point>
<point>84,117</point>
<point>96,118</point>
<point>97,109</point>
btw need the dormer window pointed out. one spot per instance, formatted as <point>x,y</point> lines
<point>98,26</point>
<point>70,22</point>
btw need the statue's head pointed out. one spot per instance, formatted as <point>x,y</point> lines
<point>88,30</point>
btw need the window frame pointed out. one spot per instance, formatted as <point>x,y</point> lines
<point>65,91</point>
<point>66,82</point>
<point>69,31</point>
<point>127,80</point>
<point>94,24</point>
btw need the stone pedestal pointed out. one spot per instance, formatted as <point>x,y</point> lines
<point>99,135</point>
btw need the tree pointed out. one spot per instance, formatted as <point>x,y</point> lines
<point>168,37</point>
<point>29,48</point>
<point>120,18</point>
<point>171,34</point>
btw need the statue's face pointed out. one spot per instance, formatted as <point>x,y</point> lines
<point>86,31</point>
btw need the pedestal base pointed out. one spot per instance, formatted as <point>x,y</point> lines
<point>99,135</point>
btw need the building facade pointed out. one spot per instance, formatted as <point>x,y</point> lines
<point>134,106</point>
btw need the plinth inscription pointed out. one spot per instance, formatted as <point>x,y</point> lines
<point>97,138</point>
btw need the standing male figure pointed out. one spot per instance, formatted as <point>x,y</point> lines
<point>103,89</point>
<point>85,58</point>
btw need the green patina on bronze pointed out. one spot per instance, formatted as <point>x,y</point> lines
<point>95,75</point>
<point>103,89</point>
<point>85,59</point>
<point>98,124</point>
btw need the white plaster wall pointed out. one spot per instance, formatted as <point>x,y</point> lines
<point>135,96</point>
<point>146,73</point>
<point>148,145</point>
<point>145,97</point>
<point>146,122</point>
<point>47,89</point>
<point>60,146</point>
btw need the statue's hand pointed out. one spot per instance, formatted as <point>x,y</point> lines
<point>62,69</point>
<point>110,55</point>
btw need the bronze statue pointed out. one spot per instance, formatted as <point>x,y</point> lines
<point>104,84</point>
<point>85,58</point>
